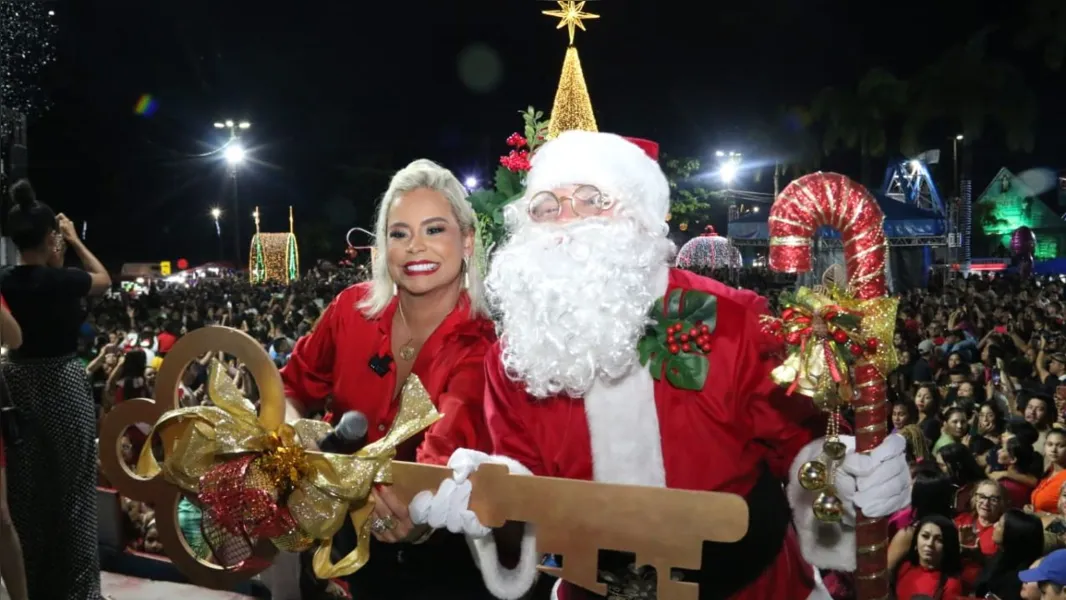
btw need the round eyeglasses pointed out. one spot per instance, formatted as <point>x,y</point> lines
<point>586,201</point>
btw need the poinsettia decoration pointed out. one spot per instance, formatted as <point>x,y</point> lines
<point>510,179</point>
<point>677,342</point>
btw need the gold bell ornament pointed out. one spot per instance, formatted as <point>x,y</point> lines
<point>817,475</point>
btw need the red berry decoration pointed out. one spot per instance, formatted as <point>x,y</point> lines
<point>840,335</point>
<point>685,337</point>
<point>793,338</point>
<point>707,330</point>
<point>706,347</point>
<point>787,314</point>
<point>871,344</point>
<point>674,348</point>
<point>686,348</point>
<point>775,325</point>
<point>703,339</point>
<point>855,349</point>
<point>693,333</point>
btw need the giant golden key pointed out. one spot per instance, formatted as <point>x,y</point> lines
<point>664,528</point>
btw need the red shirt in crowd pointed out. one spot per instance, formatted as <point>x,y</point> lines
<point>166,341</point>
<point>334,360</point>
<point>914,580</point>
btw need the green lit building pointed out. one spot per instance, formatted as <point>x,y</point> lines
<point>1007,204</point>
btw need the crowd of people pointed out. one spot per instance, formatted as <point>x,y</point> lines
<point>978,399</point>
<point>980,396</point>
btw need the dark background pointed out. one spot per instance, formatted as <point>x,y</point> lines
<point>343,93</point>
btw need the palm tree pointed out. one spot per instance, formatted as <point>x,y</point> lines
<point>968,88</point>
<point>1046,26</point>
<point>857,118</point>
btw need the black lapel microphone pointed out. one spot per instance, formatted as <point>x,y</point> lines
<point>380,364</point>
<point>348,436</point>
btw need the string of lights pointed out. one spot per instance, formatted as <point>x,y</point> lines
<point>27,33</point>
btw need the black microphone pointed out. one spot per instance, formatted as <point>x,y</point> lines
<point>348,437</point>
<point>380,364</point>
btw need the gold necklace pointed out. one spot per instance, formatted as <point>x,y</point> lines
<point>407,350</point>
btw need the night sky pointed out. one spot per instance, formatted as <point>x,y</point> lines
<point>343,93</point>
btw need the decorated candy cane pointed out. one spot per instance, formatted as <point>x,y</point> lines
<point>829,199</point>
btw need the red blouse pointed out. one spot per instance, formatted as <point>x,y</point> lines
<point>914,580</point>
<point>334,361</point>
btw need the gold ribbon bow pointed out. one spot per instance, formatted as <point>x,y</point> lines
<point>827,331</point>
<point>317,488</point>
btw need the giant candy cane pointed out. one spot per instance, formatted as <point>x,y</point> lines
<point>806,204</point>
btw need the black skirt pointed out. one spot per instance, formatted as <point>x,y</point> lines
<point>51,474</point>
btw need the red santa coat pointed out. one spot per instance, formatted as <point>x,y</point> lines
<point>334,361</point>
<point>647,432</point>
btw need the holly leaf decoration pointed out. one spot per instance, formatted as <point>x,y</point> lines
<point>671,346</point>
<point>687,371</point>
<point>700,306</point>
<point>652,354</point>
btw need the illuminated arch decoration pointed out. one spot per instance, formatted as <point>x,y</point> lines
<point>274,256</point>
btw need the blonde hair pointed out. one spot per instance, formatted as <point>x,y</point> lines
<point>422,174</point>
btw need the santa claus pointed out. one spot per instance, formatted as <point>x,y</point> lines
<point>568,396</point>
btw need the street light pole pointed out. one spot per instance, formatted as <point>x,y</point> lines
<point>955,156</point>
<point>234,154</point>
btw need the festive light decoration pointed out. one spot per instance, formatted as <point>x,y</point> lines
<point>573,107</point>
<point>27,28</point>
<point>274,256</point>
<point>805,205</point>
<point>708,251</point>
<point>571,15</point>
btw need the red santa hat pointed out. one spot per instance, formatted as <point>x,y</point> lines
<point>626,169</point>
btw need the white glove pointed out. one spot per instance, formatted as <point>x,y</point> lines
<point>449,508</point>
<point>879,483</point>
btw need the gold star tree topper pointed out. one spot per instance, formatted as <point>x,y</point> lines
<point>571,15</point>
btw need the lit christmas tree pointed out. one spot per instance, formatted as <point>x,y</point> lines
<point>573,107</point>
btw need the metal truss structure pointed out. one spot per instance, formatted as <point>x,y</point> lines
<point>903,242</point>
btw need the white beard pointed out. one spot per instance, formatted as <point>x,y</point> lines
<point>573,301</point>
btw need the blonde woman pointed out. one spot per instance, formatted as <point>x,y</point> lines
<point>422,313</point>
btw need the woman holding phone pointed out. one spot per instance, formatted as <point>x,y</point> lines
<point>53,468</point>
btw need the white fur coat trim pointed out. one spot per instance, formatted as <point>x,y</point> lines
<point>824,545</point>
<point>623,424</point>
<point>504,583</point>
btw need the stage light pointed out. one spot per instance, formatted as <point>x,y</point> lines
<point>234,153</point>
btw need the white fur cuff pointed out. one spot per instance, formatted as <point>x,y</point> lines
<point>824,545</point>
<point>504,583</point>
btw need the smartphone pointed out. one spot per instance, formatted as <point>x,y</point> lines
<point>968,536</point>
<point>995,377</point>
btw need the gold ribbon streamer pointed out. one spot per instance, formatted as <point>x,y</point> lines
<point>321,488</point>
